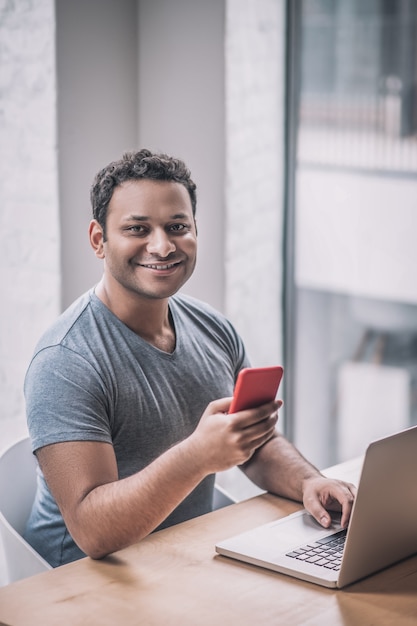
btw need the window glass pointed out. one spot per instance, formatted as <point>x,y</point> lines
<point>354,314</point>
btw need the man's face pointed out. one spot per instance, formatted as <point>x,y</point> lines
<point>151,243</point>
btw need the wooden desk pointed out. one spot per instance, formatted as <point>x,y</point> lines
<point>175,578</point>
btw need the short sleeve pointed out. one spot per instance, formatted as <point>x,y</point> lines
<point>65,399</point>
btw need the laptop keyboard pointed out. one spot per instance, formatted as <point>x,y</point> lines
<point>326,552</point>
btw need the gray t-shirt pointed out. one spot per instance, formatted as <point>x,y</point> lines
<point>93,379</point>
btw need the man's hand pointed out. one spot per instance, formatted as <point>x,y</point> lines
<point>321,494</point>
<point>280,468</point>
<point>222,440</point>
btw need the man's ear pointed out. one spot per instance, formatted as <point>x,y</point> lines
<point>96,238</point>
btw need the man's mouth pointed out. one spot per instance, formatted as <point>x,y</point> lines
<point>158,266</point>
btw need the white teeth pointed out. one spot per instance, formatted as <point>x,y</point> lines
<point>160,267</point>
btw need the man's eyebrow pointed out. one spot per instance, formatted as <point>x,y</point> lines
<point>136,218</point>
<point>145,218</point>
<point>180,216</point>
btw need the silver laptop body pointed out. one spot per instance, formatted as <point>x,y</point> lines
<point>382,528</point>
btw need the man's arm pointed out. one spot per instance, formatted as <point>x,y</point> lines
<point>104,514</point>
<point>278,467</point>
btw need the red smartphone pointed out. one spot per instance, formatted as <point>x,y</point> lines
<point>256,386</point>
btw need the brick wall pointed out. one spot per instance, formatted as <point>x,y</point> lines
<point>255,83</point>
<point>29,219</point>
<point>255,40</point>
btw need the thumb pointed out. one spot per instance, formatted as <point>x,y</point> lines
<point>221,405</point>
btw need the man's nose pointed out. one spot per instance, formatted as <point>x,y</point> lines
<point>160,243</point>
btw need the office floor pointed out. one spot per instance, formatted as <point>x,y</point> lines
<point>11,430</point>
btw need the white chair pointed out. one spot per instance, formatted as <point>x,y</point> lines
<point>17,492</point>
<point>221,497</point>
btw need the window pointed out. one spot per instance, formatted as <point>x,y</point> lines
<point>351,293</point>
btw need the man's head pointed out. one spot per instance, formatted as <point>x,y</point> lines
<point>140,165</point>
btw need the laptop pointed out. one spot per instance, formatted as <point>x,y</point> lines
<point>382,528</point>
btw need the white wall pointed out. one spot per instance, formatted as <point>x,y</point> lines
<point>255,171</point>
<point>29,220</point>
<point>181,111</point>
<point>97,118</point>
<point>255,96</point>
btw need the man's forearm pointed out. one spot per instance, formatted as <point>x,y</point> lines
<point>279,467</point>
<point>113,514</point>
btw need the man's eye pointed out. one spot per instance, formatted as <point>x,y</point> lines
<point>136,229</point>
<point>178,227</point>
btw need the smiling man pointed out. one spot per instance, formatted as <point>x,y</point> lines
<point>128,393</point>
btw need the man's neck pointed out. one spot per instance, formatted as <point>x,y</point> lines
<point>150,319</point>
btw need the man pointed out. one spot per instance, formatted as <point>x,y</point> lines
<point>128,393</point>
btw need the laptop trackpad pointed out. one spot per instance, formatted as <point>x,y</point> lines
<point>281,536</point>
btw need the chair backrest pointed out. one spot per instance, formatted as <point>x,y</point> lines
<point>17,492</point>
<point>221,498</point>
